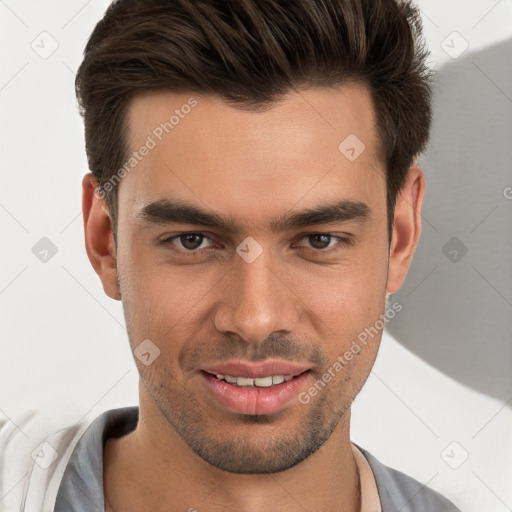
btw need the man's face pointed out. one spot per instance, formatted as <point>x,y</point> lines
<point>302,300</point>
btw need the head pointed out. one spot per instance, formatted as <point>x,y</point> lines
<point>255,126</point>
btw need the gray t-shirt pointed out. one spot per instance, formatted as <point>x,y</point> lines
<point>81,488</point>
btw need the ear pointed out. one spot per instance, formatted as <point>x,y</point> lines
<point>99,238</point>
<point>407,228</point>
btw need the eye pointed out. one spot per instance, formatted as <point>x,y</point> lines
<point>188,242</point>
<point>322,241</point>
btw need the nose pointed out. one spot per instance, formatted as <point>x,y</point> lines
<point>255,300</point>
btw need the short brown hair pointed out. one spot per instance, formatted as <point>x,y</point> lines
<point>251,53</point>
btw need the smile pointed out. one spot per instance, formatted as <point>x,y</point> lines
<point>255,395</point>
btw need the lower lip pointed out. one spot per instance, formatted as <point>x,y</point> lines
<point>255,400</point>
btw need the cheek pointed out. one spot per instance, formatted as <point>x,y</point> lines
<point>349,298</point>
<point>162,302</point>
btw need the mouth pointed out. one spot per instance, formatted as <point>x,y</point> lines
<point>264,394</point>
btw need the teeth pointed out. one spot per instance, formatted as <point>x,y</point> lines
<point>264,382</point>
<point>243,381</point>
<point>261,382</point>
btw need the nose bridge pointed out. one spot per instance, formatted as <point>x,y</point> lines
<point>255,301</point>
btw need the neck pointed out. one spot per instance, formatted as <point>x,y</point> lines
<point>152,469</point>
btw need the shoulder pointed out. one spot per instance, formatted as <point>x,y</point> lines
<point>32,460</point>
<point>400,492</point>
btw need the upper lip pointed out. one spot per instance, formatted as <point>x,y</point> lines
<point>255,370</point>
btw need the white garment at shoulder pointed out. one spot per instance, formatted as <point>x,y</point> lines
<point>32,462</point>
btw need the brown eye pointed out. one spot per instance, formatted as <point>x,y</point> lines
<point>325,242</point>
<point>188,242</point>
<point>319,240</point>
<point>191,241</point>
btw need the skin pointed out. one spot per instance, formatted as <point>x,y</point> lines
<point>198,309</point>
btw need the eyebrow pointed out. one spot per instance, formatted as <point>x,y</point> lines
<point>165,211</point>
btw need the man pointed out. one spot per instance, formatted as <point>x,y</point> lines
<point>253,199</point>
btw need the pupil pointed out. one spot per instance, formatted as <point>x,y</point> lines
<point>322,244</point>
<point>188,241</point>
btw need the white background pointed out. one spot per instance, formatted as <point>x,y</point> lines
<point>444,371</point>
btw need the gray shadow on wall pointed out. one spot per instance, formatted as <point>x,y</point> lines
<point>457,296</point>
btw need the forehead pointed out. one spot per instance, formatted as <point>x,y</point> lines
<point>315,145</point>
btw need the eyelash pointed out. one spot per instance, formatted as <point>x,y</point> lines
<point>342,243</point>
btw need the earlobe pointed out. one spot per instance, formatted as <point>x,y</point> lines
<point>99,239</point>
<point>407,228</point>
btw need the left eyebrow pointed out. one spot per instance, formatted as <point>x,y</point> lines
<point>165,211</point>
